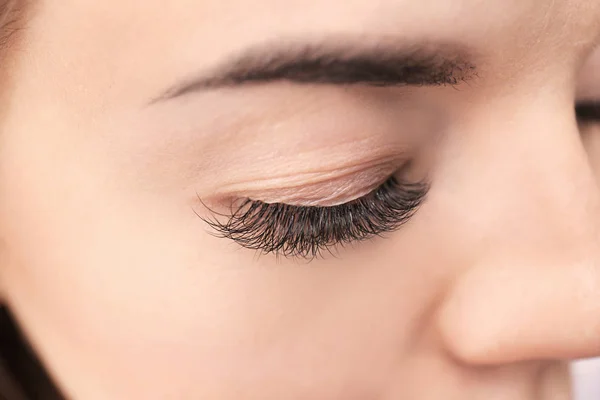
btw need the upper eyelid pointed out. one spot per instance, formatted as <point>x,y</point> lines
<point>355,176</point>
<point>329,191</point>
<point>328,195</point>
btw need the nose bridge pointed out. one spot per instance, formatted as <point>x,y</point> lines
<point>538,173</point>
<point>535,291</point>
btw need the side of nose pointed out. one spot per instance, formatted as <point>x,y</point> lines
<point>534,293</point>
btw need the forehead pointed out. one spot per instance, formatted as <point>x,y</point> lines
<point>235,20</point>
<point>142,39</point>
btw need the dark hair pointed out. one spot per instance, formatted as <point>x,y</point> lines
<point>22,376</point>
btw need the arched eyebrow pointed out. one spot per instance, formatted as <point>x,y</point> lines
<point>335,64</point>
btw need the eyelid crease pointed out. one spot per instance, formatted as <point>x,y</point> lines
<point>316,188</point>
<point>332,193</point>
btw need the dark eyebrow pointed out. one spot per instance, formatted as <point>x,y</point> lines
<point>379,65</point>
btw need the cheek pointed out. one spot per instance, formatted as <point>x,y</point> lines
<point>123,282</point>
<point>127,283</point>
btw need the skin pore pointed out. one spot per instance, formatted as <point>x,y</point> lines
<point>129,121</point>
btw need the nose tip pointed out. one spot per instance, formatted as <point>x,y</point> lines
<point>506,313</point>
<point>531,291</point>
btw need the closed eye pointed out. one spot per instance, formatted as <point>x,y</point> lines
<point>306,232</point>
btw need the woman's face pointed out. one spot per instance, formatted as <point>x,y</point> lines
<point>192,192</point>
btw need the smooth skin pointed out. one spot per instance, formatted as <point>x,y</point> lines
<point>486,294</point>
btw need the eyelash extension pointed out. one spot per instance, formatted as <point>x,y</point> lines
<point>588,112</point>
<point>305,232</point>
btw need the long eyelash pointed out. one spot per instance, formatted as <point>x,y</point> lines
<point>305,232</point>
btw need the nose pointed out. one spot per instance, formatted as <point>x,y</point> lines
<point>534,292</point>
